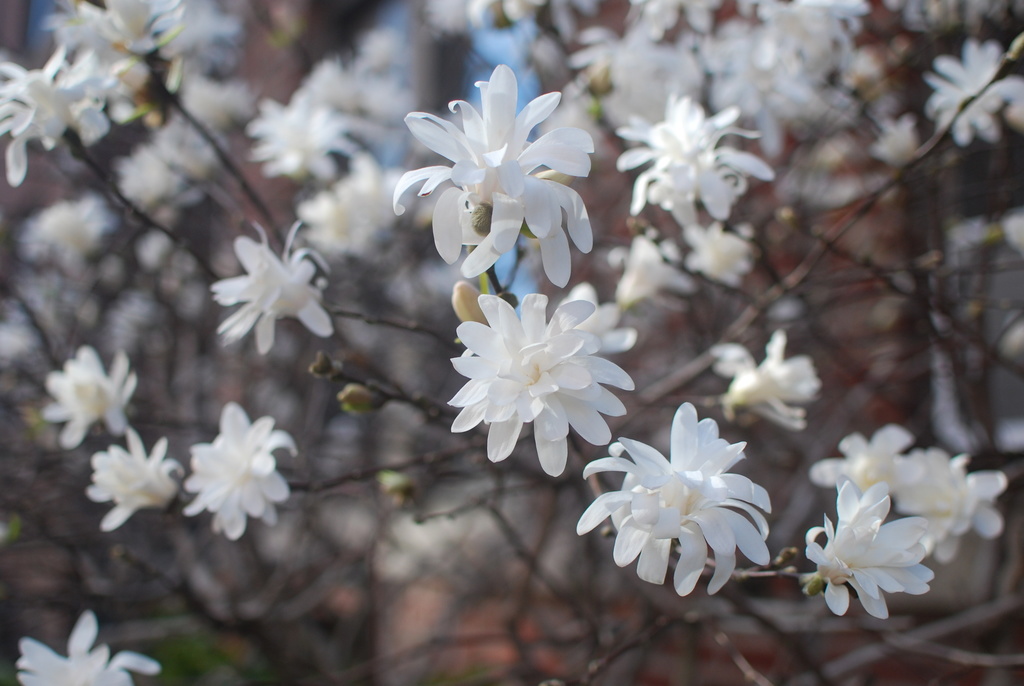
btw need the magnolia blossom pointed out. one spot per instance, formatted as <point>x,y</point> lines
<point>688,164</point>
<point>236,476</point>
<point>45,103</point>
<point>347,217</point>
<point>897,141</point>
<point>134,26</point>
<point>132,479</point>
<point>84,394</point>
<point>867,463</point>
<point>717,254</point>
<point>496,189</point>
<point>603,322</point>
<point>634,75</point>
<point>272,288</point>
<point>647,270</point>
<point>71,230</point>
<point>866,554</point>
<point>84,665</point>
<point>1013,228</point>
<point>535,371</point>
<point>297,139</point>
<point>768,387</point>
<point>687,503</point>
<point>951,500</point>
<point>957,81</point>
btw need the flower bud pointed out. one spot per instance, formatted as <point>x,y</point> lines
<point>599,79</point>
<point>481,218</point>
<point>399,486</point>
<point>464,302</point>
<point>813,584</point>
<point>357,398</point>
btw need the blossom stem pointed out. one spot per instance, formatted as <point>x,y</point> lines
<point>79,152</point>
<point>210,139</point>
<point>394,323</point>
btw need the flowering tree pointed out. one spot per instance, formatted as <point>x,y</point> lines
<point>309,381</point>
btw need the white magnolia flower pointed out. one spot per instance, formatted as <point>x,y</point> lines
<point>347,217</point>
<point>297,139</point>
<point>131,479</point>
<point>956,81</point>
<point>953,501</point>
<point>867,463</point>
<point>496,190</point>
<point>218,104</point>
<point>535,371</point>
<point>84,394</point>
<point>236,476</point>
<point>45,103</point>
<point>134,26</point>
<point>1013,228</point>
<point>688,163</point>
<point>768,387</point>
<point>687,503</point>
<point>897,141</point>
<point>866,554</point>
<point>71,230</point>
<point>647,270</point>
<point>149,181</point>
<point>717,254</point>
<point>603,322</point>
<point>273,287</point>
<point>84,665</point>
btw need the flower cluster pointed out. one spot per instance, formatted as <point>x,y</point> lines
<point>924,482</point>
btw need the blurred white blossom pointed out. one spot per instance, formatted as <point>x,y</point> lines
<point>533,370</point>
<point>84,394</point>
<point>767,388</point>
<point>951,500</point>
<point>273,287</point>
<point>897,141</point>
<point>235,476</point>
<point>45,103</point>
<point>69,230</point>
<point>348,216</point>
<point>131,479</point>
<point>496,190</point>
<point>603,322</point>
<point>957,81</point>
<point>867,463</point>
<point>647,270</point>
<point>688,503</point>
<point>717,254</point>
<point>862,552</point>
<point>84,665</point>
<point>297,139</point>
